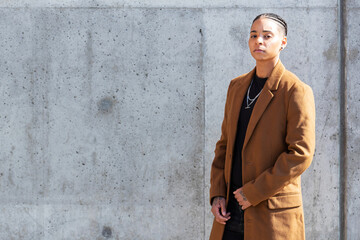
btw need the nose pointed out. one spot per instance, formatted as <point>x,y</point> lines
<point>259,40</point>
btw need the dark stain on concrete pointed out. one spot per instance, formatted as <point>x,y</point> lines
<point>105,105</point>
<point>94,158</point>
<point>89,54</point>
<point>107,232</point>
<point>353,54</point>
<point>10,177</point>
<point>89,61</point>
<point>237,33</point>
<point>331,53</point>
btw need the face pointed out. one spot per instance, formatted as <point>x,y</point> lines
<point>266,40</point>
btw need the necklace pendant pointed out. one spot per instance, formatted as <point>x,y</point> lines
<point>247,107</point>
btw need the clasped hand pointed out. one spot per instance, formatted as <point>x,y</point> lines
<point>219,210</point>
<point>242,200</point>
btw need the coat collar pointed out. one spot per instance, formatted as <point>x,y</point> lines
<point>272,84</point>
<point>273,81</point>
<point>264,99</point>
<point>275,76</point>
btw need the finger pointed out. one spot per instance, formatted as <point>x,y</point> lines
<point>222,207</point>
<point>221,222</point>
<point>237,196</point>
<point>222,219</point>
<point>214,210</point>
<point>245,206</point>
<point>238,199</point>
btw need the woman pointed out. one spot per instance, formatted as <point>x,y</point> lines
<point>267,141</point>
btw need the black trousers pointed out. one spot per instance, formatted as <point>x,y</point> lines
<point>234,228</point>
<point>230,235</point>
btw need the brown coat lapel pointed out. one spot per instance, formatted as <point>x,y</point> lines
<point>240,89</point>
<point>264,99</point>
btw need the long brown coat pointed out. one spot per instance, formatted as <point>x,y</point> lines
<point>278,147</point>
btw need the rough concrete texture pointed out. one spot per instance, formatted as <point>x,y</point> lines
<point>102,123</point>
<point>166,3</point>
<point>351,4</point>
<point>353,126</point>
<point>111,111</point>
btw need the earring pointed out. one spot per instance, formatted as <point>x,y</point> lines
<point>281,48</point>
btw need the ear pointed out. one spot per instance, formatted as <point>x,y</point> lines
<point>283,42</point>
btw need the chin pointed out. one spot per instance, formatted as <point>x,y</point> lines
<point>263,57</point>
<point>257,58</point>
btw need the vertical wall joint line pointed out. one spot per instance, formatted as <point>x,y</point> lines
<point>202,51</point>
<point>343,105</point>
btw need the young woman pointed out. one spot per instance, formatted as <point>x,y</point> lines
<point>267,141</point>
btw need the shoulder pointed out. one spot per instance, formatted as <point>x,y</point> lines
<point>290,82</point>
<point>239,80</point>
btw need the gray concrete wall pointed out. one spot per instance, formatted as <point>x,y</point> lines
<point>352,121</point>
<point>111,111</point>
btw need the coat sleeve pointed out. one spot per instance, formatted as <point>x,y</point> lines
<point>300,141</point>
<point>217,178</point>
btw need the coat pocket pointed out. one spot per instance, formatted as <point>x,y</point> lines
<point>287,201</point>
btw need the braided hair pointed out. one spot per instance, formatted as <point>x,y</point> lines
<point>274,17</point>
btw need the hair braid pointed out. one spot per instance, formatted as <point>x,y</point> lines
<point>274,17</point>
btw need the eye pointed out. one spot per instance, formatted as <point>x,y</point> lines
<point>267,36</point>
<point>253,36</point>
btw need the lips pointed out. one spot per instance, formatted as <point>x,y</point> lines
<point>259,50</point>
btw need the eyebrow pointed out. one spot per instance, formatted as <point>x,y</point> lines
<point>254,31</point>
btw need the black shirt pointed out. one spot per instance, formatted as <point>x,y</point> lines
<point>244,117</point>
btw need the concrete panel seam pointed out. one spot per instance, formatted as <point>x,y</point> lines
<point>173,8</point>
<point>202,50</point>
<point>342,96</point>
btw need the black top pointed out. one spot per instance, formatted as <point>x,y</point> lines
<point>244,117</point>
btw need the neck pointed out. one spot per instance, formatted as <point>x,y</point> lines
<point>264,68</point>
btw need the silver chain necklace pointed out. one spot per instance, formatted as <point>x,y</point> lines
<point>250,101</point>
